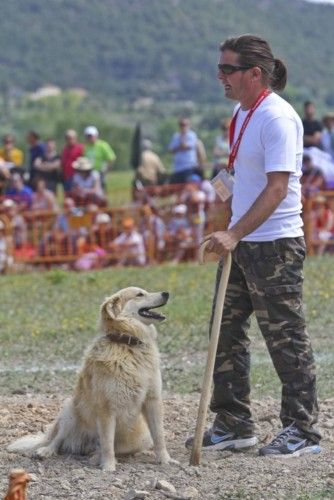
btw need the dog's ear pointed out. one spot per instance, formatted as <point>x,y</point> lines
<point>112,306</point>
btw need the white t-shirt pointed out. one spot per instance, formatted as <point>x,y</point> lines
<point>272,141</point>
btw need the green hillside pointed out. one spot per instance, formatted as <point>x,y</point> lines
<point>166,49</point>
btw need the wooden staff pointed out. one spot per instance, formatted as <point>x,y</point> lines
<point>195,456</point>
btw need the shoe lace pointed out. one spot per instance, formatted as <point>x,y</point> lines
<point>284,434</point>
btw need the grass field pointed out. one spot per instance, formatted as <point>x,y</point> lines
<point>47,319</point>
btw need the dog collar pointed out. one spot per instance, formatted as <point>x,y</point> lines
<point>124,338</point>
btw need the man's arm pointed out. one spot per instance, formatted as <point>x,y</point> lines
<point>273,194</point>
<point>312,140</point>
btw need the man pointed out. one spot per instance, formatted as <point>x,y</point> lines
<point>151,170</point>
<point>11,155</point>
<point>37,151</point>
<point>99,152</point>
<point>184,148</point>
<point>265,237</point>
<point>19,192</point>
<point>71,152</point>
<point>312,127</point>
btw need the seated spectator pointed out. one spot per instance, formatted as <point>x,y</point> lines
<point>17,223</point>
<point>103,230</point>
<point>152,227</point>
<point>43,198</point>
<point>71,152</point>
<point>90,254</point>
<point>19,192</point>
<point>194,198</point>
<point>151,170</point>
<point>129,246</point>
<point>327,135</point>
<point>312,177</point>
<point>179,235</point>
<point>6,259</point>
<point>323,219</point>
<point>12,156</point>
<point>47,167</point>
<point>86,186</point>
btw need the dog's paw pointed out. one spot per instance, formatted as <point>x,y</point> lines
<point>164,459</point>
<point>44,452</point>
<point>108,466</point>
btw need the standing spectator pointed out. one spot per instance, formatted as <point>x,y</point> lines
<point>99,152</point>
<point>184,148</point>
<point>151,170</point>
<point>129,246</point>
<point>36,150</point>
<point>221,148</point>
<point>12,156</point>
<point>327,136</point>
<point>19,192</point>
<point>43,198</point>
<point>86,186</point>
<point>312,127</point>
<point>48,167</point>
<point>71,152</point>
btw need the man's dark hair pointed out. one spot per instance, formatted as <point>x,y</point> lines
<point>308,103</point>
<point>255,51</point>
<point>34,134</point>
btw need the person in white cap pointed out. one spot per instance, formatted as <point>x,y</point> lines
<point>86,185</point>
<point>98,151</point>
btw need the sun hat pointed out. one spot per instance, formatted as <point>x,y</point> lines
<point>8,203</point>
<point>82,163</point>
<point>91,130</point>
<point>71,133</point>
<point>103,218</point>
<point>180,209</point>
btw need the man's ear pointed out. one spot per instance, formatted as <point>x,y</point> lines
<point>112,306</point>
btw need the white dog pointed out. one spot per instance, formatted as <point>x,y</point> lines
<point>117,405</point>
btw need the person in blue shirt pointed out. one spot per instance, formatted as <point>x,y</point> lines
<point>184,148</point>
<point>37,153</point>
<point>19,192</point>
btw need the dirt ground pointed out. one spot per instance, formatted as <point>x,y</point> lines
<point>222,475</point>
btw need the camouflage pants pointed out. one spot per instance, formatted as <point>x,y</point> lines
<point>266,278</point>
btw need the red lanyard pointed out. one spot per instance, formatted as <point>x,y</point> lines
<point>236,145</point>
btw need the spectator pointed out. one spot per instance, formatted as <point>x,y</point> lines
<point>43,198</point>
<point>153,228</point>
<point>312,177</point>
<point>19,192</point>
<point>48,167</point>
<point>99,152</point>
<point>103,230</point>
<point>37,150</point>
<point>323,224</point>
<point>312,127</point>
<point>221,148</point>
<point>327,136</point>
<point>151,170</point>
<point>184,148</point>
<point>17,223</point>
<point>71,152</point>
<point>195,198</point>
<point>12,156</point>
<point>86,186</point>
<point>6,260</point>
<point>179,233</point>
<point>129,246</point>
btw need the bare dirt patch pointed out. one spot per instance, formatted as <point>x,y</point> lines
<point>222,475</point>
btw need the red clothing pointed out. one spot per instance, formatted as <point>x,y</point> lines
<point>68,156</point>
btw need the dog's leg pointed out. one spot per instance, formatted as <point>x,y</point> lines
<point>152,410</point>
<point>106,425</point>
<point>56,439</point>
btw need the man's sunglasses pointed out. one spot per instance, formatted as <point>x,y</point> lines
<point>228,69</point>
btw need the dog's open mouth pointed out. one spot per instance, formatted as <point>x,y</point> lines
<point>146,312</point>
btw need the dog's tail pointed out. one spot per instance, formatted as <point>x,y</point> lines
<point>28,444</point>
